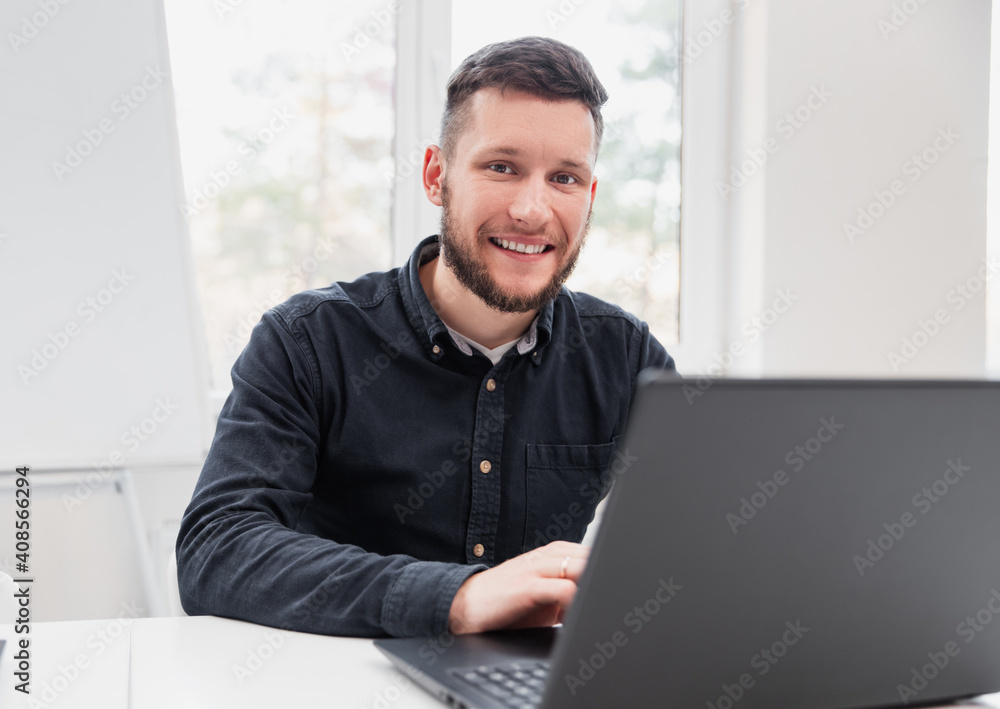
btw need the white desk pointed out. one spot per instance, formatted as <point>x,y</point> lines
<point>81,663</point>
<point>190,663</point>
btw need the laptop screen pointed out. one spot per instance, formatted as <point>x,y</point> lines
<point>783,543</point>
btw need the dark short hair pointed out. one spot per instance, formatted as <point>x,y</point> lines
<point>541,66</point>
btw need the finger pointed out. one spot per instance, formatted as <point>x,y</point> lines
<point>543,559</point>
<point>562,548</point>
<point>570,568</point>
<point>553,591</point>
<point>549,556</point>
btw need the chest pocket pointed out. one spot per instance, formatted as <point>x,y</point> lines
<point>564,485</point>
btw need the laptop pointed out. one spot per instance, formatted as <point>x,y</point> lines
<point>774,543</point>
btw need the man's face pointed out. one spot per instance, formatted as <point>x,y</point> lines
<point>521,174</point>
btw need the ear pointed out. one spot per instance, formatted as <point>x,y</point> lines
<point>433,174</point>
<point>593,192</point>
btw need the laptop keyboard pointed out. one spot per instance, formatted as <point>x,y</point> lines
<point>518,684</point>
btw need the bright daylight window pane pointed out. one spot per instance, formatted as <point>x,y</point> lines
<point>632,254</point>
<point>285,118</point>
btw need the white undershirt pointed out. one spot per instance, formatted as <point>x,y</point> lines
<point>495,354</point>
<point>524,344</point>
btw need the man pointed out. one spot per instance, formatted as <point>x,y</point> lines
<point>421,450</point>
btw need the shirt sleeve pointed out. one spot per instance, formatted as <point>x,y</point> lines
<point>652,354</point>
<point>238,552</point>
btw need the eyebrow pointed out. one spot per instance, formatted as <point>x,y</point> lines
<point>516,153</point>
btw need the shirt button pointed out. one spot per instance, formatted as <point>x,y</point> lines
<point>436,349</point>
<point>491,385</point>
<point>478,550</point>
<point>486,466</point>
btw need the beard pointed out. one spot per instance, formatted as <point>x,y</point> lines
<point>462,259</point>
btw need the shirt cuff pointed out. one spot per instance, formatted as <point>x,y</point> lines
<point>419,602</point>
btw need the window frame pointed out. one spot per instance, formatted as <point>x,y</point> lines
<point>423,63</point>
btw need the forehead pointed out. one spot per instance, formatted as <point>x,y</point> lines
<point>517,120</point>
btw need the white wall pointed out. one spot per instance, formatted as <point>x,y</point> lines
<point>90,188</point>
<point>885,85</point>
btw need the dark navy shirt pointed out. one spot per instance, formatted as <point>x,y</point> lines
<point>364,465</point>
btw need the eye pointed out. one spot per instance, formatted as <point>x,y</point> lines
<point>565,179</point>
<point>499,168</point>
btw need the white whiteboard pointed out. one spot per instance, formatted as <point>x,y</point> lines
<point>103,358</point>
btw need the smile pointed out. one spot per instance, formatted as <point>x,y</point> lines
<point>519,247</point>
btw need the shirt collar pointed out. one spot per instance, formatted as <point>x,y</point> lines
<point>429,327</point>
<point>524,344</point>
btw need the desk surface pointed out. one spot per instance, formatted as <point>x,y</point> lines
<point>190,663</point>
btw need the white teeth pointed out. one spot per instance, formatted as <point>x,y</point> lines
<point>520,248</point>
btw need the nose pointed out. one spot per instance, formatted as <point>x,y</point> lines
<point>531,203</point>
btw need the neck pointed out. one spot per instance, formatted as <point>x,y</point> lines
<point>463,311</point>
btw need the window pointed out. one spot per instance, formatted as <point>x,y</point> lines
<point>285,119</point>
<point>632,256</point>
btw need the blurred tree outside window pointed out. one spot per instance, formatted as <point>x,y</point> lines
<point>632,255</point>
<point>285,119</point>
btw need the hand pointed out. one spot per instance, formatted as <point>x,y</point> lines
<point>524,592</point>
